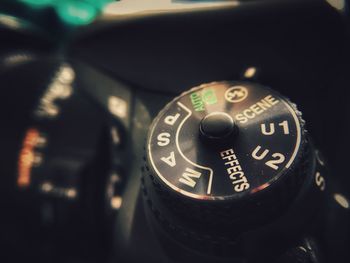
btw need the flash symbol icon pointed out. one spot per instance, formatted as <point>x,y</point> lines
<point>236,94</point>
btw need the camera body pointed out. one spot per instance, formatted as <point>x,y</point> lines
<point>77,126</point>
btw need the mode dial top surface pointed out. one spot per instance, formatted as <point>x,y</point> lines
<point>224,140</point>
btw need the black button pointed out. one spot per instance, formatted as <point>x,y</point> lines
<point>217,126</point>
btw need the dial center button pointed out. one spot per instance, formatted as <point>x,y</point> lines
<point>217,127</point>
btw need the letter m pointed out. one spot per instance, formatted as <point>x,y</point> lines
<point>187,177</point>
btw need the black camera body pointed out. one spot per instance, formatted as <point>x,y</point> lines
<point>217,135</point>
